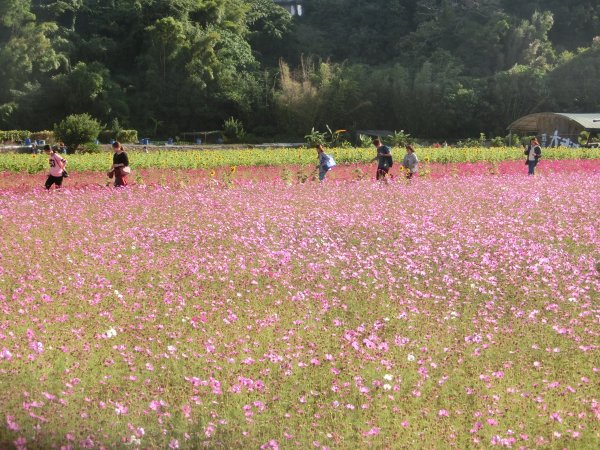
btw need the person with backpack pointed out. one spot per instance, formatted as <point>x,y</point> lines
<point>384,159</point>
<point>534,153</point>
<point>57,168</point>
<point>326,162</point>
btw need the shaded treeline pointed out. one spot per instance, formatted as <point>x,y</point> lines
<point>436,68</point>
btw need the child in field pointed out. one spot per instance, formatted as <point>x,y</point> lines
<point>410,162</point>
<point>326,162</point>
<point>57,167</point>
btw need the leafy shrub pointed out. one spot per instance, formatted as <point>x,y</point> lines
<point>398,139</point>
<point>331,138</point>
<point>44,135</point>
<point>473,142</point>
<point>365,141</point>
<point>233,130</point>
<point>77,129</point>
<point>583,137</point>
<point>14,135</point>
<point>90,147</point>
<point>315,137</point>
<point>127,136</point>
<point>498,141</point>
<point>337,137</point>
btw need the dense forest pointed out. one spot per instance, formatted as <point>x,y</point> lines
<point>435,68</point>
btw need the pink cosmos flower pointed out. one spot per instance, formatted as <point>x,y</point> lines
<point>11,424</point>
<point>372,432</point>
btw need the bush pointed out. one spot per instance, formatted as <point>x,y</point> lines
<point>14,135</point>
<point>90,147</point>
<point>76,129</point>
<point>398,139</point>
<point>315,137</point>
<point>127,136</point>
<point>233,130</point>
<point>498,141</point>
<point>365,141</point>
<point>44,135</point>
<point>473,142</point>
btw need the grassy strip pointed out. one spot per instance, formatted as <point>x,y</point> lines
<point>207,159</point>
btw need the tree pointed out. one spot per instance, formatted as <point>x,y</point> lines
<point>77,129</point>
<point>352,29</point>
<point>574,84</point>
<point>27,56</point>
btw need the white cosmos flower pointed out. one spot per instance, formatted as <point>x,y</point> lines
<point>111,332</point>
<point>410,357</point>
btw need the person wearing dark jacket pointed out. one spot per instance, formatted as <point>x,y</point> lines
<point>534,153</point>
<point>120,167</point>
<point>384,160</point>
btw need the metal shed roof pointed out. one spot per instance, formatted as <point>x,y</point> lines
<point>530,122</point>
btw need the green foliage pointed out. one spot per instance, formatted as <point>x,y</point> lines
<point>583,137</point>
<point>14,135</point>
<point>438,68</point>
<point>233,130</point>
<point>127,136</point>
<point>398,139</point>
<point>473,142</point>
<point>77,129</point>
<point>365,141</point>
<point>330,138</point>
<point>44,135</point>
<point>498,141</point>
<point>315,137</point>
<point>212,159</point>
<point>89,147</point>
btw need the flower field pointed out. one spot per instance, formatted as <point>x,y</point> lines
<point>459,311</point>
<point>293,174</point>
<point>209,159</point>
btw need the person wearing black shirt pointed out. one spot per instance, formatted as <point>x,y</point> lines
<point>534,153</point>
<point>120,167</point>
<point>383,158</point>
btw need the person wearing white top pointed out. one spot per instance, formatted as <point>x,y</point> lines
<point>57,167</point>
<point>326,162</point>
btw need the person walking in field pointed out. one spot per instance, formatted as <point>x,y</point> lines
<point>120,167</point>
<point>57,168</point>
<point>534,153</point>
<point>326,162</point>
<point>410,162</point>
<point>384,159</point>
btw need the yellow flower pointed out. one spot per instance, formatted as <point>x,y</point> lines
<point>212,173</point>
<point>340,131</point>
<point>233,169</point>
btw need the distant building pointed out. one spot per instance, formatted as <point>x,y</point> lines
<point>293,6</point>
<point>559,129</point>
